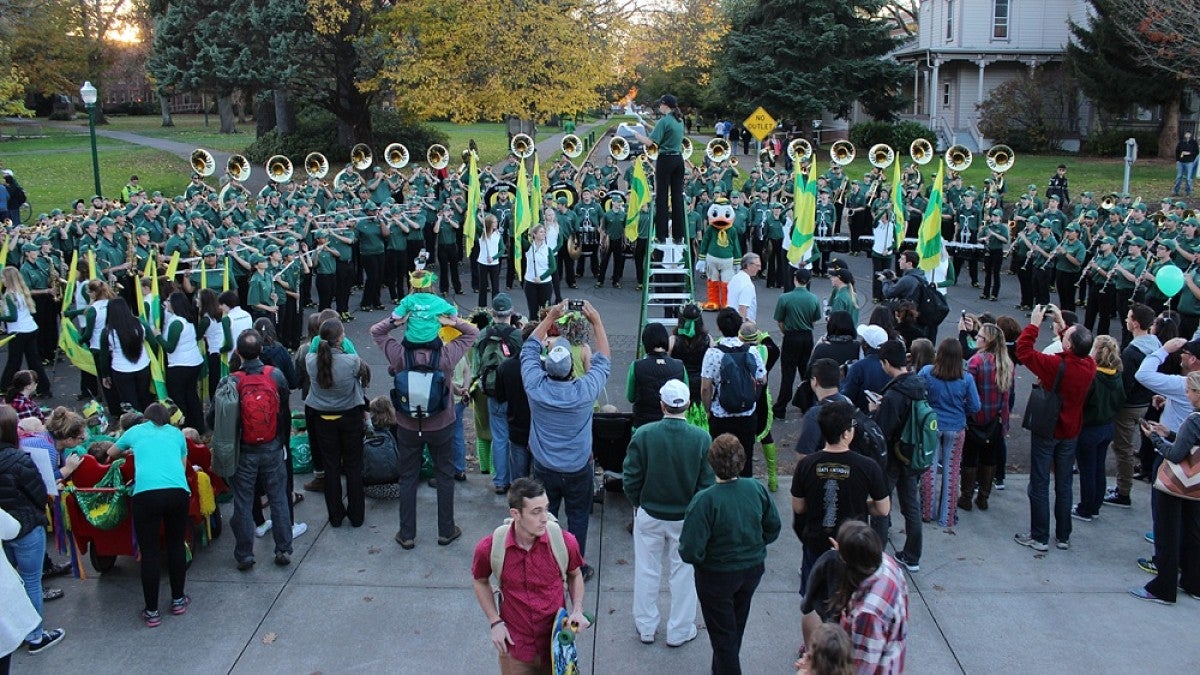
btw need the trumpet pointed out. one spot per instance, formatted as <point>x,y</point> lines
<point>203,163</point>
<point>238,168</point>
<point>437,156</point>
<point>360,156</point>
<point>841,152</point>
<point>396,155</point>
<point>718,150</point>
<point>572,146</point>
<point>618,148</point>
<point>522,146</point>
<point>958,158</point>
<point>881,155</point>
<point>279,168</point>
<point>316,166</point>
<point>799,150</point>
<point>1000,158</point>
<point>921,151</point>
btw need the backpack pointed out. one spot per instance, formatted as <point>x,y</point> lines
<point>868,438</point>
<point>259,398</point>
<point>419,391</point>
<point>558,545</point>
<point>737,389</point>
<point>919,439</point>
<point>16,196</point>
<point>494,351</point>
<point>931,304</point>
<point>381,458</point>
<point>226,434</point>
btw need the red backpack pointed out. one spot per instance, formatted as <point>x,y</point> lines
<point>259,399</point>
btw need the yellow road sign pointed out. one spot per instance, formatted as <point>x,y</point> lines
<point>760,123</point>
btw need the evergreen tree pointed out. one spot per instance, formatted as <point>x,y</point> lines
<point>1099,56</point>
<point>799,58</point>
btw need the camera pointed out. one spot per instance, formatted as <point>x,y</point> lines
<point>575,305</point>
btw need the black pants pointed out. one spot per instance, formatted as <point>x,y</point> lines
<point>372,265</point>
<point>743,429</point>
<point>639,260</point>
<point>1102,305</point>
<point>566,267</point>
<point>1065,283</point>
<point>1121,304</point>
<point>243,289</point>
<point>878,265</point>
<point>47,332</point>
<point>1176,546</point>
<point>131,388</point>
<point>1188,324</point>
<point>213,360</point>
<point>972,268</point>
<point>168,509</point>
<point>289,322</point>
<point>615,251</point>
<point>343,280</point>
<point>668,176</point>
<point>393,273</point>
<point>777,268</point>
<point>325,287</point>
<point>1025,279</point>
<point>725,603</point>
<point>489,282</point>
<point>584,257</point>
<point>537,296</point>
<point>24,346</point>
<point>306,282</point>
<point>793,357</point>
<point>182,387</point>
<point>448,268</point>
<point>341,444</point>
<point>1042,278</point>
<point>992,262</point>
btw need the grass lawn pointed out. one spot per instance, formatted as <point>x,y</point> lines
<point>188,129</point>
<point>58,170</point>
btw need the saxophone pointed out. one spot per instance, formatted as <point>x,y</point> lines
<point>56,290</point>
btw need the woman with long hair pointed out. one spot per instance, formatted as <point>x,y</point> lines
<point>689,343</point>
<point>885,318</point>
<point>334,407</point>
<point>1104,400</point>
<point>908,326</point>
<point>844,296</point>
<point>20,395</point>
<point>124,359</point>
<point>23,496</point>
<point>159,504</point>
<point>1176,519</point>
<point>491,250</point>
<point>213,331</point>
<point>992,370</point>
<point>95,317</point>
<point>871,574</point>
<point>953,396</point>
<point>18,315</point>
<point>920,354</point>
<point>540,267</point>
<point>181,344</point>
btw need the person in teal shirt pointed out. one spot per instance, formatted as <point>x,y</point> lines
<point>159,503</point>
<point>668,134</point>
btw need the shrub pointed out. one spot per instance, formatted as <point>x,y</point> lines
<point>1029,113</point>
<point>899,136</point>
<point>316,131</point>
<point>1111,142</point>
<point>904,133</point>
<point>132,108</point>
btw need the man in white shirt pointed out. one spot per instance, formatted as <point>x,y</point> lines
<point>721,419</point>
<point>742,295</point>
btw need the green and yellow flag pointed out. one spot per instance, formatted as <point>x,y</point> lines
<point>225,276</point>
<point>929,239</point>
<point>535,197</point>
<point>639,196</point>
<point>69,339</point>
<point>898,214</point>
<point>472,214</point>
<point>522,217</point>
<point>804,214</point>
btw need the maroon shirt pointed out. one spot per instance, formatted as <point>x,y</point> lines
<point>532,589</point>
<point>1076,379</point>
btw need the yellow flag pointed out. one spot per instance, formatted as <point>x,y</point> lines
<point>639,195</point>
<point>72,276</point>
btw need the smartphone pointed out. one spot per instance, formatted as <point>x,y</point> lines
<point>872,396</point>
<point>575,305</point>
<point>964,314</point>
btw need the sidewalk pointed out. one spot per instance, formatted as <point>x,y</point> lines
<point>354,601</point>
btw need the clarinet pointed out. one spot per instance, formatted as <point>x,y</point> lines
<point>1049,258</point>
<point>1107,280</point>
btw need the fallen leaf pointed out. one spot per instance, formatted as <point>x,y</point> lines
<point>372,550</point>
<point>612,609</point>
<point>367,598</point>
<point>622,561</point>
<point>269,638</point>
<point>937,587</point>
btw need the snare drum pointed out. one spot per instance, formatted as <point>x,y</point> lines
<point>965,251</point>
<point>835,244</point>
<point>589,239</point>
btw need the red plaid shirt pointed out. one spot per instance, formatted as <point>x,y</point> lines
<point>878,620</point>
<point>532,590</point>
<point>992,401</point>
<point>26,407</point>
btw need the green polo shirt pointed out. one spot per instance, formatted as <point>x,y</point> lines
<point>798,310</point>
<point>668,134</point>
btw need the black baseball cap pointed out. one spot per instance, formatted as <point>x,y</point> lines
<point>894,353</point>
<point>669,100</point>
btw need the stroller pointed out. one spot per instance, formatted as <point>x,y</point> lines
<point>611,433</point>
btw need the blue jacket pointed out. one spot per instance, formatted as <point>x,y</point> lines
<point>863,375</point>
<point>952,400</point>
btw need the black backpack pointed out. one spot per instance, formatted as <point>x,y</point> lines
<point>931,304</point>
<point>16,196</point>
<point>381,460</point>
<point>868,439</point>
<point>494,351</point>
<point>737,390</point>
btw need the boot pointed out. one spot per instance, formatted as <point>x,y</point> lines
<point>772,467</point>
<point>710,299</point>
<point>484,450</point>
<point>986,474</point>
<point>722,294</point>
<point>317,484</point>
<point>966,488</point>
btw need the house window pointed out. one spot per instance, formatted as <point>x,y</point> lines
<point>949,20</point>
<point>1000,15</point>
<point>946,94</point>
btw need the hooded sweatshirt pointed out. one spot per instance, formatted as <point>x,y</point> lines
<point>896,405</point>
<point>1136,394</point>
<point>1105,398</point>
<point>22,492</point>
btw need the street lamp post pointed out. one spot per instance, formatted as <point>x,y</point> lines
<point>89,95</point>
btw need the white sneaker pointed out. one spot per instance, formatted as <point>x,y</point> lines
<point>299,529</point>
<point>262,530</point>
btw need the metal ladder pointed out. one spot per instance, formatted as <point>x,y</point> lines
<point>668,283</point>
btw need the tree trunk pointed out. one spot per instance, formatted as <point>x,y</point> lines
<point>285,112</point>
<point>264,116</point>
<point>164,106</point>
<point>225,110</point>
<point>1168,135</point>
<point>350,106</point>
